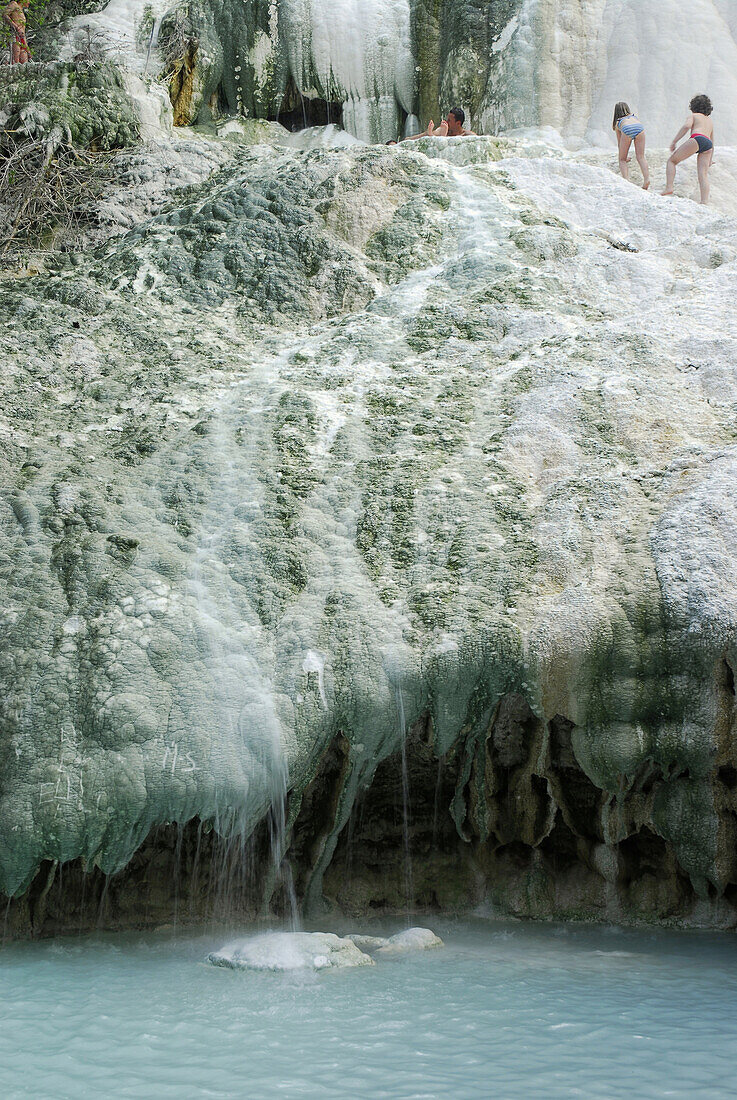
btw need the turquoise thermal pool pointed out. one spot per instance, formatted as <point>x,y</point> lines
<point>509,1010</point>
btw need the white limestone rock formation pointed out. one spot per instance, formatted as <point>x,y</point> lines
<point>381,63</point>
<point>291,951</point>
<point>410,939</point>
<point>656,54</point>
<point>355,426</point>
<point>349,456</point>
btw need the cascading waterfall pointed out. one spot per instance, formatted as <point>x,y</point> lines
<point>279,840</point>
<point>232,644</point>
<point>316,507</point>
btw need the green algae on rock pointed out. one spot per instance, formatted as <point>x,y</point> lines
<point>85,105</point>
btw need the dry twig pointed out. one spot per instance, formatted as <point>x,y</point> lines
<point>47,196</point>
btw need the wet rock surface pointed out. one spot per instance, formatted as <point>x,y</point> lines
<point>319,950</point>
<point>411,939</point>
<point>291,951</point>
<point>348,458</point>
<point>86,105</point>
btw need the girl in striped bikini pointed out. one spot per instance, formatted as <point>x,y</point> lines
<point>628,129</point>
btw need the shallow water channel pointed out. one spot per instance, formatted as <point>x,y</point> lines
<point>507,1010</point>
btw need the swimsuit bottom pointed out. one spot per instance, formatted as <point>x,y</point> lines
<point>704,143</point>
<point>632,129</point>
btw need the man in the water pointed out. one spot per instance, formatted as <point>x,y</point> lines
<point>15,17</point>
<point>451,126</point>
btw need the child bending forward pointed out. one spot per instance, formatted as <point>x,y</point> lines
<point>628,129</point>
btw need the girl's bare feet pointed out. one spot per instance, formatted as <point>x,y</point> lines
<point>646,185</point>
<point>666,192</point>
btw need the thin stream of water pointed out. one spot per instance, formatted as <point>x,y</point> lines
<point>406,809</point>
<point>153,41</point>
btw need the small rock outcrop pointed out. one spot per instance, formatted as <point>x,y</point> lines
<point>291,951</point>
<point>410,939</point>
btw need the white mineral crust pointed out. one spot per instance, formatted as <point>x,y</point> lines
<point>410,939</point>
<point>291,951</point>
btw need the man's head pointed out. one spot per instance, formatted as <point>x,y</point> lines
<point>701,105</point>
<point>456,118</point>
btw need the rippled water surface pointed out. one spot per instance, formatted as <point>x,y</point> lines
<point>504,1010</point>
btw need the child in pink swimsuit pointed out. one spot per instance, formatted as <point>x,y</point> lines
<point>700,142</point>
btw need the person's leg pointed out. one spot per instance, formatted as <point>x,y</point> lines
<point>23,55</point>
<point>703,163</point>
<point>682,153</point>
<point>15,52</point>
<point>624,148</point>
<point>641,160</point>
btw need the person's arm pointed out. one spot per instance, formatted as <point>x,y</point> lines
<point>688,125</point>
<point>713,147</point>
<point>425,133</point>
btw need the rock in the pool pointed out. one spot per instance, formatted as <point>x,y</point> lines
<point>411,939</point>
<point>291,951</point>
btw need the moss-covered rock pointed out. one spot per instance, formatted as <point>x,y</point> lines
<point>82,104</point>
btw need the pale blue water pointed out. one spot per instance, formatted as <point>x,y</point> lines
<point>503,1011</point>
